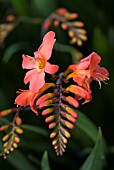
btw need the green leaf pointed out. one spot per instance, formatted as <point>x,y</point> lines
<point>96,157</point>
<point>43,7</point>
<point>100,43</point>
<point>9,52</point>
<point>19,161</point>
<point>21,6</point>
<point>35,129</point>
<point>86,125</point>
<point>44,162</point>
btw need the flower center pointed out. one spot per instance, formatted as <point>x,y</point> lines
<point>41,65</point>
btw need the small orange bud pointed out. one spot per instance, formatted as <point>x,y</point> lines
<point>18,130</point>
<point>83,37</point>
<point>81,31</point>
<point>67,124</point>
<point>56,23</point>
<point>47,111</point>
<point>79,42</point>
<point>61,11</point>
<point>15,145</point>
<point>53,134</point>
<point>56,146</point>
<point>52,125</point>
<point>65,132</point>
<point>64,140</point>
<point>5,112</point>
<point>47,24</point>
<point>55,141</point>
<point>72,112</point>
<point>6,137</point>
<point>71,118</point>
<point>18,121</point>
<point>70,16</point>
<point>44,98</point>
<point>64,26</point>
<point>11,149</point>
<point>17,140</point>
<point>78,24</point>
<point>73,40</point>
<point>71,33</point>
<point>45,103</point>
<point>72,101</point>
<point>5,144</point>
<point>50,118</point>
<point>5,127</point>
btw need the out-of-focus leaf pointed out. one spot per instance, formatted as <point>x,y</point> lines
<point>96,157</point>
<point>100,42</point>
<point>86,125</point>
<point>44,162</point>
<point>43,7</point>
<point>75,54</point>
<point>9,52</point>
<point>111,36</point>
<point>19,161</point>
<point>35,129</point>
<point>21,6</point>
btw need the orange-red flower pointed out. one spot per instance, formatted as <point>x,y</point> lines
<point>39,63</point>
<point>87,70</point>
<point>28,97</point>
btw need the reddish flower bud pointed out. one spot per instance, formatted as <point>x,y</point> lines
<point>18,120</point>
<point>47,111</point>
<point>67,124</point>
<point>5,127</point>
<point>44,97</point>
<point>5,112</point>
<point>6,137</point>
<point>72,101</point>
<point>50,118</point>
<point>52,125</point>
<point>56,23</point>
<point>18,130</point>
<point>53,134</point>
<point>16,139</point>
<point>45,103</point>
<point>68,116</point>
<point>65,132</point>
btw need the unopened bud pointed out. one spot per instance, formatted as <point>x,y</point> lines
<point>18,121</point>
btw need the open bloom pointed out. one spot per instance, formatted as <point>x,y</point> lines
<point>87,70</point>
<point>29,98</point>
<point>39,63</point>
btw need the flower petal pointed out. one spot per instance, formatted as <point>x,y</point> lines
<point>79,91</point>
<point>37,81</point>
<point>24,98</point>
<point>28,75</point>
<point>46,47</point>
<point>95,60</point>
<point>28,62</point>
<point>51,68</point>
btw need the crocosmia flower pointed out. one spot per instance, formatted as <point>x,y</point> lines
<point>87,70</point>
<point>39,64</point>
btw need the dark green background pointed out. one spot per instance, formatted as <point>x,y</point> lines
<point>98,17</point>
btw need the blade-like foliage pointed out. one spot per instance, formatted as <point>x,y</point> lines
<point>45,162</point>
<point>96,157</point>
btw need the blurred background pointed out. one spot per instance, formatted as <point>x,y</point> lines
<point>25,38</point>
